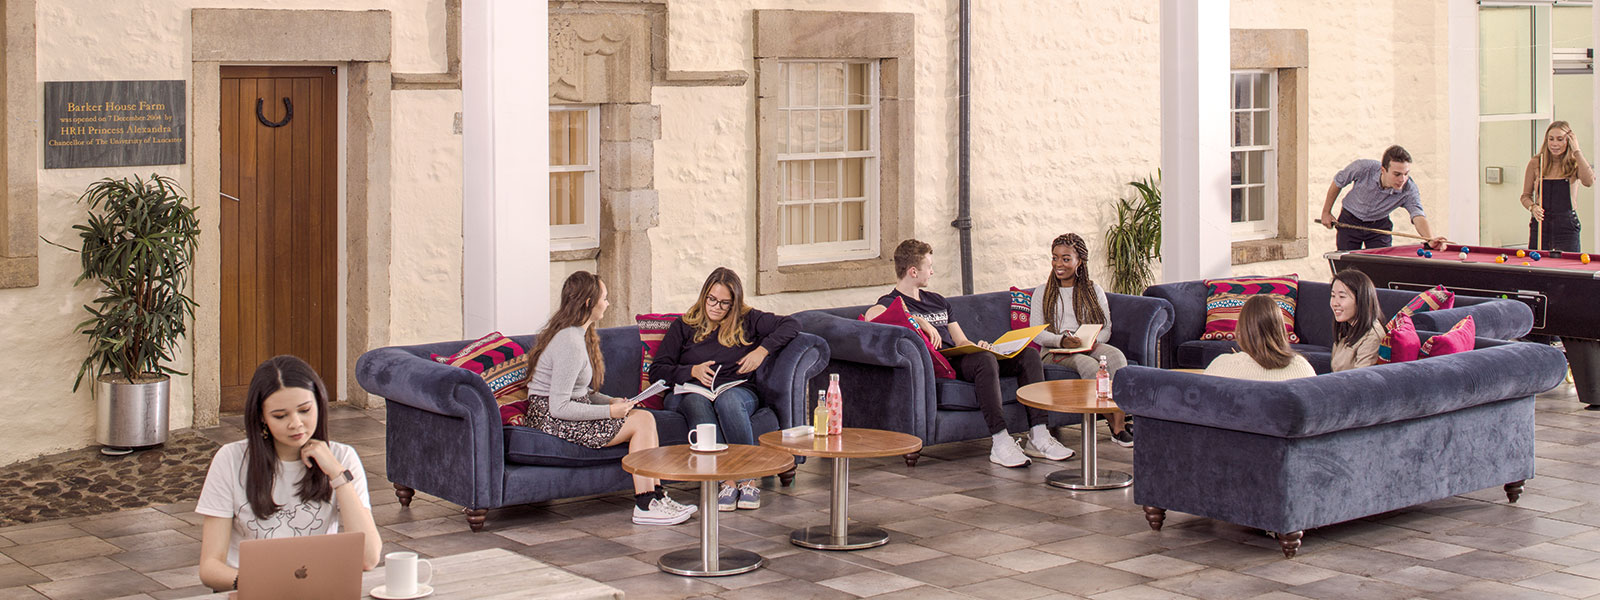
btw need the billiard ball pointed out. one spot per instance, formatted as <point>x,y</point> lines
<point>1526,263</point>
<point>1535,256</point>
<point>1465,249</point>
<point>1500,259</point>
<point>1463,255</point>
<point>1522,253</point>
<point>1420,251</point>
<point>1583,258</point>
<point>1428,254</point>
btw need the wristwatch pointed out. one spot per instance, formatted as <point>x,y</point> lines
<point>341,479</point>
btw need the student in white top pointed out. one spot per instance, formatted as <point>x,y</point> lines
<point>1068,299</point>
<point>1264,339</point>
<point>284,479</point>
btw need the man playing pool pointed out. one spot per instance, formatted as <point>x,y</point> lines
<point>1376,190</point>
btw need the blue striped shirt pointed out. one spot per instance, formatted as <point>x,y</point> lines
<point>1368,200</point>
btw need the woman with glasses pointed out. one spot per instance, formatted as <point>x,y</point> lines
<point>720,340</point>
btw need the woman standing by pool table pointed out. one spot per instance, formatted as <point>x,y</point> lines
<point>1563,165</point>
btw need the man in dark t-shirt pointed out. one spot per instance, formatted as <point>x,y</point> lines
<point>913,264</point>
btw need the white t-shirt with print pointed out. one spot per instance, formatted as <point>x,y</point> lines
<point>224,496</point>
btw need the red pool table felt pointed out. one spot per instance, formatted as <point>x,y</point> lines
<point>1485,254</point>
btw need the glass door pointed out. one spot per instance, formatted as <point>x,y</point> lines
<point>1514,98</point>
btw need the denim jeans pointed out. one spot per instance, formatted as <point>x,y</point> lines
<point>731,412</point>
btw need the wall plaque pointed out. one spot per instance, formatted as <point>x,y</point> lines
<point>113,123</point>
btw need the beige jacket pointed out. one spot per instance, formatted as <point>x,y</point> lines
<point>1363,354</point>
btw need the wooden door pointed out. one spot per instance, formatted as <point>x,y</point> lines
<point>279,222</point>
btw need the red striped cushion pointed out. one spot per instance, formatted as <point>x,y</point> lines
<point>652,328</point>
<point>498,360</point>
<point>1227,297</point>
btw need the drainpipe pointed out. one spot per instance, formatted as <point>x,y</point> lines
<point>963,222</point>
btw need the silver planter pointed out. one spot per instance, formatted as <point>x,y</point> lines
<point>130,415</point>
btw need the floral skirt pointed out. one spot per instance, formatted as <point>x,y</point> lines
<point>591,434</point>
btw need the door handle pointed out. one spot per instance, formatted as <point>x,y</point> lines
<point>230,197</point>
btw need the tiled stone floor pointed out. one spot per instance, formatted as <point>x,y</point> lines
<point>961,528</point>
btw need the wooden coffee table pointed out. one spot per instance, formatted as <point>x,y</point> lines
<point>677,463</point>
<point>1076,396</point>
<point>850,443</point>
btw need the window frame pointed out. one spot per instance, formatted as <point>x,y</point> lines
<point>824,252</point>
<point>1267,226</point>
<point>585,235</point>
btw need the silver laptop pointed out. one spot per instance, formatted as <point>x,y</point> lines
<point>313,567</point>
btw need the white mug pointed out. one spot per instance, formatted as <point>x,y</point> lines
<point>400,576</point>
<point>707,434</point>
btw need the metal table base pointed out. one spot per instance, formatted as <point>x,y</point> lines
<point>709,560</point>
<point>839,534</point>
<point>1089,477</point>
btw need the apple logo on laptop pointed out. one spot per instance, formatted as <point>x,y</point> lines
<point>300,573</point>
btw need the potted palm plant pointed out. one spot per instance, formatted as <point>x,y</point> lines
<point>1133,243</point>
<point>138,245</point>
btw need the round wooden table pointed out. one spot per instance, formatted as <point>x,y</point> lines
<point>1076,396</point>
<point>851,442</point>
<point>678,463</point>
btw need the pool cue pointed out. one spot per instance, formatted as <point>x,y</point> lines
<point>1538,200</point>
<point>1375,230</point>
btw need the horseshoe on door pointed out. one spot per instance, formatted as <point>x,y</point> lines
<point>288,113</point>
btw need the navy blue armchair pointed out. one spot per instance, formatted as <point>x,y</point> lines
<point>887,378</point>
<point>444,435</point>
<point>1182,347</point>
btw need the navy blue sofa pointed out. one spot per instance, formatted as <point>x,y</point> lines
<point>1313,322</point>
<point>887,376</point>
<point>1290,456</point>
<point>444,435</point>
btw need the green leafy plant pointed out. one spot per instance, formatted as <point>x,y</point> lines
<point>138,245</point>
<point>1133,243</point>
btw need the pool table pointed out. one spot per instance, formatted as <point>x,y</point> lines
<point>1562,290</point>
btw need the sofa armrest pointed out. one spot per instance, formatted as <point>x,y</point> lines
<point>1498,318</point>
<point>1188,299</point>
<point>783,378</point>
<point>869,343</point>
<point>1137,324</point>
<point>1346,400</point>
<point>443,432</point>
<point>879,358</point>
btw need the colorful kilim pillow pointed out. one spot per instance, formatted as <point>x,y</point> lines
<point>1458,339</point>
<point>1226,298</point>
<point>897,315</point>
<point>515,413</point>
<point>652,328</point>
<point>1400,342</point>
<point>1437,298</point>
<point>1021,307</point>
<point>498,360</point>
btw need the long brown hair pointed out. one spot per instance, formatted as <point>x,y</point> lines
<point>1568,161</point>
<point>1085,306</point>
<point>730,331</point>
<point>1367,309</point>
<point>579,295</point>
<point>260,455</point>
<point>1262,334</point>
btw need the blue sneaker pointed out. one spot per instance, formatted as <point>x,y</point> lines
<point>728,499</point>
<point>749,496</point>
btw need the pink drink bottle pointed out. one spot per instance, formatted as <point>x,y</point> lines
<point>835,405</point>
<point>1102,381</point>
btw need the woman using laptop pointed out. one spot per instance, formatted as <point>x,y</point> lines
<point>285,479</point>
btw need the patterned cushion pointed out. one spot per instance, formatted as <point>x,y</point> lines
<point>515,413</point>
<point>1458,339</point>
<point>498,360</point>
<point>1021,306</point>
<point>896,314</point>
<point>1400,342</point>
<point>1437,298</point>
<point>652,328</point>
<point>1227,297</point>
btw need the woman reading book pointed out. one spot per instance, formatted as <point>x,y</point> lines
<point>1068,300</point>
<point>563,401</point>
<point>716,345</point>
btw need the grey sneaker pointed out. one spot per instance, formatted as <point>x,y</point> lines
<point>749,496</point>
<point>688,508</point>
<point>728,499</point>
<point>659,514</point>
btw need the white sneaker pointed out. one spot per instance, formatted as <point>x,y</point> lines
<point>659,514</point>
<point>673,504</point>
<point>1005,453</point>
<point>1051,448</point>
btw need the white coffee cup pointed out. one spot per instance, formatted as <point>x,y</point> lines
<point>400,576</point>
<point>706,434</point>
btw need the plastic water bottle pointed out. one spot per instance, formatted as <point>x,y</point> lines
<point>835,405</point>
<point>820,419</point>
<point>1102,381</point>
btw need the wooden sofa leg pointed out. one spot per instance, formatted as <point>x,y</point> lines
<point>1155,516</point>
<point>1290,542</point>
<point>404,494</point>
<point>911,459</point>
<point>476,517</point>
<point>1514,490</point>
<point>786,478</point>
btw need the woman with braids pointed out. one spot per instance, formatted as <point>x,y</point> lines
<point>1068,299</point>
<point>566,371</point>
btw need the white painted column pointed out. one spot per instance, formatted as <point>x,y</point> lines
<point>1195,241</point>
<point>505,198</point>
<point>1463,92</point>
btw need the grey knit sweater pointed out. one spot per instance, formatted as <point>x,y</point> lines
<point>563,374</point>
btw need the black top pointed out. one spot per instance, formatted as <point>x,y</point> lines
<point>932,307</point>
<point>679,353</point>
<point>1557,197</point>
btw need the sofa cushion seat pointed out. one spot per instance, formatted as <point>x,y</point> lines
<point>1196,354</point>
<point>529,446</point>
<point>955,394</point>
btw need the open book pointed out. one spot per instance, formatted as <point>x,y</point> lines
<point>656,387</point>
<point>1085,334</point>
<point>1009,345</point>
<point>692,387</point>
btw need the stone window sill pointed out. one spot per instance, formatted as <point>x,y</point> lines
<point>571,255</point>
<point>1254,251</point>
